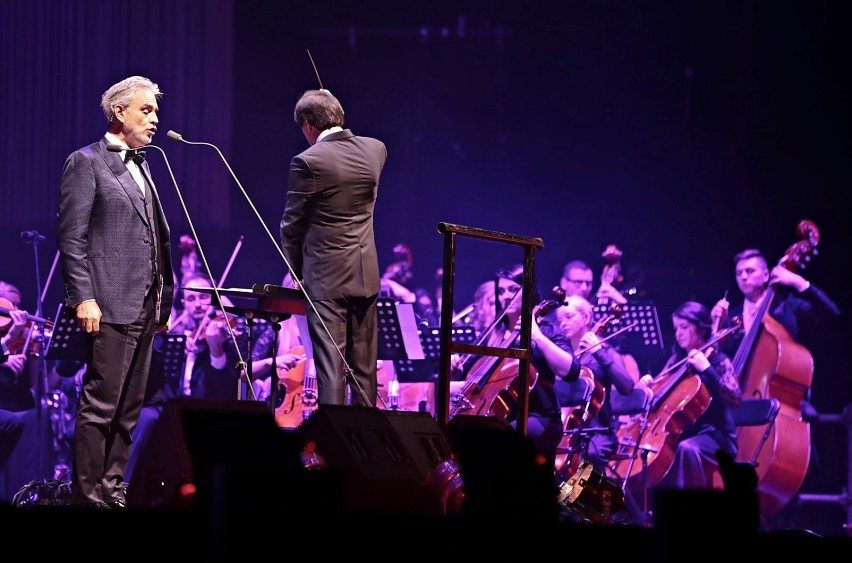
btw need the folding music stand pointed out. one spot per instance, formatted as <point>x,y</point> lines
<point>645,339</point>
<point>68,341</point>
<point>426,370</point>
<point>170,356</point>
<point>398,335</point>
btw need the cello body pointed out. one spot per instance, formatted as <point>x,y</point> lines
<point>778,368</point>
<point>568,452</point>
<point>493,393</point>
<point>658,434</point>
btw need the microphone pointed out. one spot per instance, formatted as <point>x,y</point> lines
<point>32,236</point>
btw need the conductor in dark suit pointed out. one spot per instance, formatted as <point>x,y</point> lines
<point>327,237</point>
<point>116,263</point>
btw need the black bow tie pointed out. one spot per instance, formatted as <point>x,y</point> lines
<point>137,156</point>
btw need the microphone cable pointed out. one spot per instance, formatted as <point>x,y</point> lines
<point>347,369</point>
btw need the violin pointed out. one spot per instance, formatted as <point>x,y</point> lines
<point>198,335</point>
<point>19,345</point>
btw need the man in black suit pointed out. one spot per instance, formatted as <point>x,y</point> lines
<point>327,237</point>
<point>116,262</point>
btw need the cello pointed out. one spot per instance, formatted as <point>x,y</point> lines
<point>491,385</point>
<point>771,364</point>
<point>680,398</point>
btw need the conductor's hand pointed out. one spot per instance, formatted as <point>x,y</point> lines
<point>89,316</point>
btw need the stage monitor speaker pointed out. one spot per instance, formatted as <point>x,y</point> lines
<point>384,458</point>
<point>194,439</point>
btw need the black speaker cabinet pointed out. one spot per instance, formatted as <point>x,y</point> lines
<point>195,438</point>
<point>384,458</point>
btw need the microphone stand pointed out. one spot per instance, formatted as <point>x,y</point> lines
<point>241,364</point>
<point>347,370</point>
<point>33,237</point>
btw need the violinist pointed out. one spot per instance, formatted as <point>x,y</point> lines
<point>16,393</point>
<point>19,442</point>
<point>209,369</point>
<point>695,453</point>
<point>575,319</point>
<point>551,358</point>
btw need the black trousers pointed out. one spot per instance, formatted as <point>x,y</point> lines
<point>112,396</point>
<point>352,324</point>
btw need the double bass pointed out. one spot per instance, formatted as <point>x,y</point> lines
<point>771,364</point>
<point>611,276</point>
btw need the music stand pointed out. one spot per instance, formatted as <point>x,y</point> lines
<point>398,335</point>
<point>171,355</point>
<point>645,340</point>
<point>426,370</point>
<point>68,340</point>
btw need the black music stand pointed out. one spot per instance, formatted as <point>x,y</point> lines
<point>426,370</point>
<point>68,341</point>
<point>643,341</point>
<point>170,357</point>
<point>398,335</point>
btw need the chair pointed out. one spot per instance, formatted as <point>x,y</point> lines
<point>757,412</point>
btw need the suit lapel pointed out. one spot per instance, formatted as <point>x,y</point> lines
<point>125,179</point>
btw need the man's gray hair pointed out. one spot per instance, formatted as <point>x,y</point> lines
<point>122,93</point>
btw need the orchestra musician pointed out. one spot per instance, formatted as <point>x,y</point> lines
<point>210,366</point>
<point>714,429</point>
<point>575,319</point>
<point>578,279</point>
<point>551,358</point>
<point>21,447</point>
<point>799,303</point>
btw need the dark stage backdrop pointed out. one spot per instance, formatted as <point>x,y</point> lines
<point>681,132</point>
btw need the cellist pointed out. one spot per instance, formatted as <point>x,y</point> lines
<point>714,429</point>
<point>797,302</point>
<point>551,358</point>
<point>575,319</point>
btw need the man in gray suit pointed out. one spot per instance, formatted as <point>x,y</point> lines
<point>117,266</point>
<point>327,237</point>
